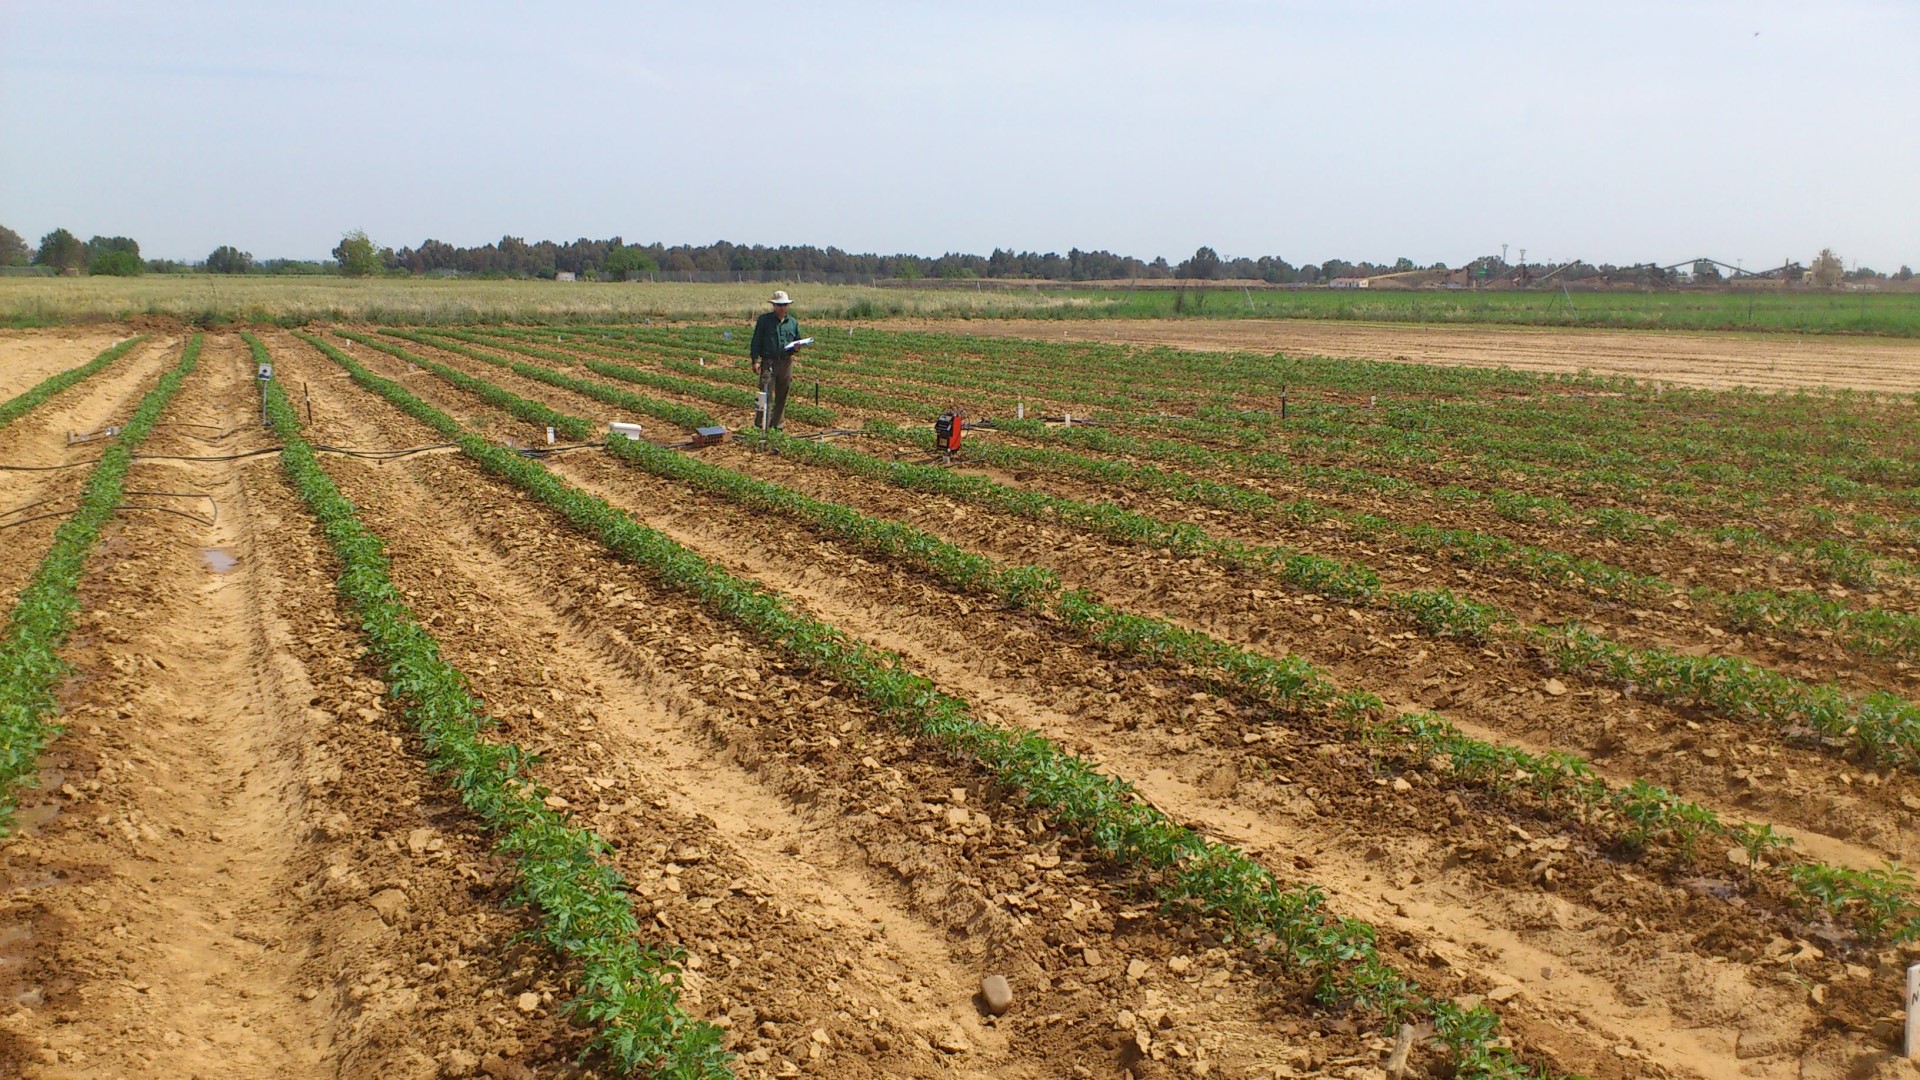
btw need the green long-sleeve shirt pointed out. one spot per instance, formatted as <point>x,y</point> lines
<point>771,336</point>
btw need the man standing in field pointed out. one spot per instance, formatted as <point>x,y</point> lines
<point>772,333</point>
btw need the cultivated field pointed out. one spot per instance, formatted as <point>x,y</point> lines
<point>1276,717</point>
<point>1713,361</point>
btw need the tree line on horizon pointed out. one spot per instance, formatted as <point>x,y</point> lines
<point>357,255</point>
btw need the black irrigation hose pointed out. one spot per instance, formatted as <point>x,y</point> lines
<point>543,451</point>
<point>215,520</point>
<point>196,518</point>
<point>217,457</point>
<point>383,454</point>
<point>209,521</point>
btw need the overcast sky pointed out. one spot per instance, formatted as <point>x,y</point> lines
<point>1615,132</point>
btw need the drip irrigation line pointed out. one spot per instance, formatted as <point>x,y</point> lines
<point>386,454</point>
<point>46,468</point>
<point>214,457</point>
<point>196,518</point>
<point>214,520</point>
<point>543,451</point>
<point>224,432</point>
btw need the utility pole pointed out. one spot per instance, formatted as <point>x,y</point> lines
<point>1503,256</point>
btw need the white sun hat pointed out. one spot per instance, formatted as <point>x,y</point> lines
<point>779,297</point>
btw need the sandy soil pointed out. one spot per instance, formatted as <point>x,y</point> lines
<point>28,356</point>
<point>1718,361</point>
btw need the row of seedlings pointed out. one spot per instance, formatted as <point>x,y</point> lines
<point>1879,901</point>
<point>1189,871</point>
<point>30,665</point>
<point>628,991</point>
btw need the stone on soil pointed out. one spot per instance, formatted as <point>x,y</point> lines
<point>997,994</point>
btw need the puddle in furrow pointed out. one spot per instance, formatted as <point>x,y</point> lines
<point>218,560</point>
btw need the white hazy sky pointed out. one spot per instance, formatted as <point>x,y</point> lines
<point>1616,132</point>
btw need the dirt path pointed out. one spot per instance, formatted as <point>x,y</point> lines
<point>175,966</point>
<point>1718,361</point>
<point>29,356</point>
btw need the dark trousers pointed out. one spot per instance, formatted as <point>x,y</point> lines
<point>776,376</point>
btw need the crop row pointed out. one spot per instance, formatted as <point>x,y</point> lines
<point>628,991</point>
<point>672,412</point>
<point>1773,435</point>
<point>1188,870</point>
<point>1418,432</point>
<point>1871,631</point>
<point>1880,902</point>
<point>1839,560</point>
<point>42,616</point>
<point>694,388</point>
<point>1884,725</point>
<point>723,372</point>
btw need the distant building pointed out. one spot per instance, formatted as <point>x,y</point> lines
<point>564,275</point>
<point>1347,283</point>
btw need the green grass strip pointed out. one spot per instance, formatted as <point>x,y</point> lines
<point>14,408</point>
<point>30,666</point>
<point>1337,953</point>
<point>628,992</point>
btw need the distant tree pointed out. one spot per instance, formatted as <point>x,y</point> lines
<point>625,263</point>
<point>61,250</point>
<point>112,245</point>
<point>227,259</point>
<point>13,249</point>
<point>117,263</point>
<point>1205,265</point>
<point>356,255</point>
<point>1827,269</point>
<point>1403,264</point>
<point>1905,273</point>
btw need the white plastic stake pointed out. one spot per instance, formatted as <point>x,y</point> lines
<point>549,435</point>
<point>1020,410</point>
<point>1066,419</point>
<point>1912,1044</point>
